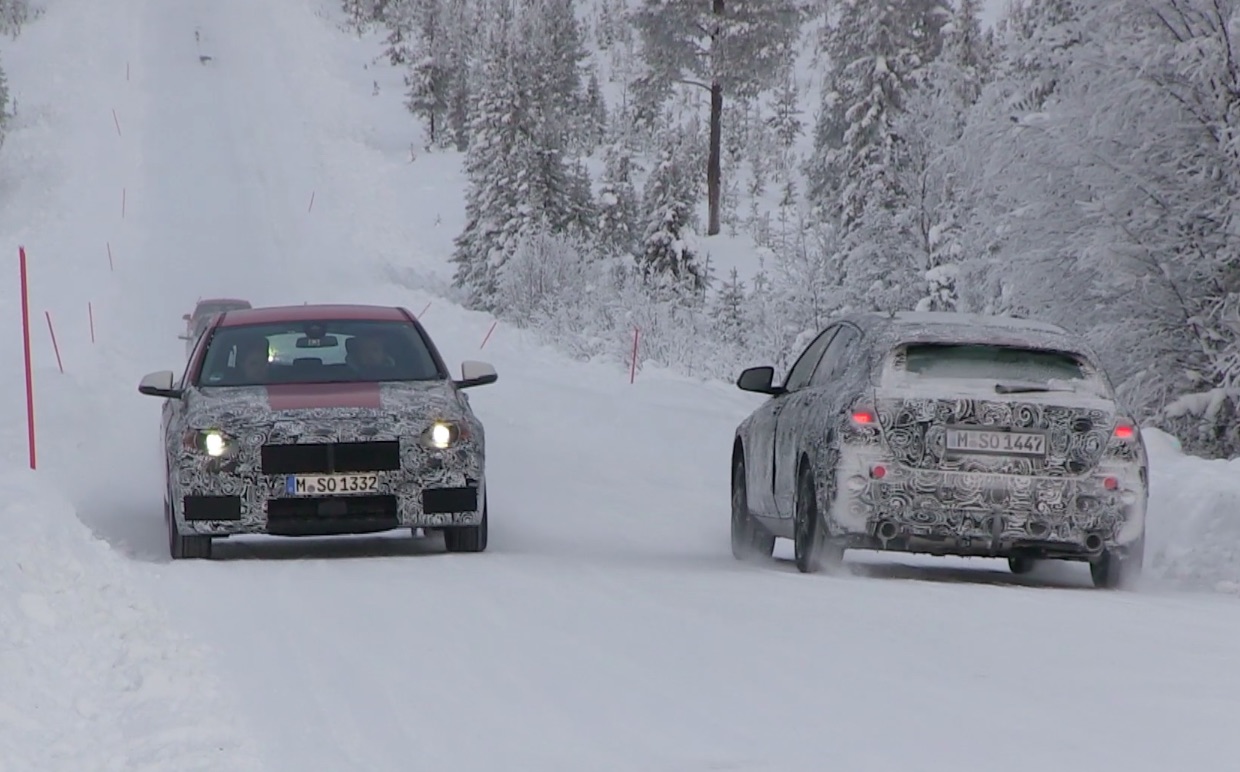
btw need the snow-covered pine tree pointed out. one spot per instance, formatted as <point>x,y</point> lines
<point>400,18</point>
<point>669,258</point>
<point>14,14</point>
<point>520,177</point>
<point>731,49</point>
<point>729,311</point>
<point>594,123</point>
<point>785,119</point>
<point>856,171</point>
<point>4,105</point>
<point>554,51</point>
<point>495,206</point>
<point>464,36</point>
<point>940,190</point>
<point>429,79</point>
<point>618,215</point>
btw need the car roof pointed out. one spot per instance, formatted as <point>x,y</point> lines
<point>217,301</point>
<point>887,331</point>
<point>309,313</point>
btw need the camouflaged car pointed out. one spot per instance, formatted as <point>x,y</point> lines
<point>197,321</point>
<point>319,420</point>
<point>942,433</point>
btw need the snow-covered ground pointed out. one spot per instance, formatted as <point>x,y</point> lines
<point>608,627</point>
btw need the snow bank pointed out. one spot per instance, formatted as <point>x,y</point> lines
<point>1193,537</point>
<point>90,678</point>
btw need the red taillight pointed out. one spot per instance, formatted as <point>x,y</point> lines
<point>878,471</point>
<point>864,417</point>
<point>1125,431</point>
<point>1110,483</point>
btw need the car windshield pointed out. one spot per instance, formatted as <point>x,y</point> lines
<point>991,362</point>
<point>327,351</point>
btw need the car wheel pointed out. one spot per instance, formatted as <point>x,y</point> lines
<point>467,538</point>
<point>1021,565</point>
<point>749,539</point>
<point>1119,571</point>
<point>812,548</point>
<point>183,547</point>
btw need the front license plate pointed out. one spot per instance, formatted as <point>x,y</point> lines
<point>330,484</point>
<point>997,442</point>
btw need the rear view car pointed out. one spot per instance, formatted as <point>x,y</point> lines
<point>947,434</point>
<point>196,322</point>
<point>320,420</point>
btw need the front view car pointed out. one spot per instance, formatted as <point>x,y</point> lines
<point>319,421</point>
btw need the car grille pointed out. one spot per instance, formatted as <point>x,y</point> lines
<point>332,516</point>
<point>325,458</point>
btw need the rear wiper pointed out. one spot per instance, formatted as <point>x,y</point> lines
<point>1024,388</point>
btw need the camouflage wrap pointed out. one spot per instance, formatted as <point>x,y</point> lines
<point>254,417</point>
<point>890,482</point>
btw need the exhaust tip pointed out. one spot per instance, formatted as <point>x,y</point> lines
<point>887,530</point>
<point>1093,543</point>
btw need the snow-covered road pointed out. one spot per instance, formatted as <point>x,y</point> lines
<point>607,627</point>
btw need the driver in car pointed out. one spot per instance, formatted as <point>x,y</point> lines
<point>252,361</point>
<point>367,355</point>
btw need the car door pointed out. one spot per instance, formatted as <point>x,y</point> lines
<point>788,413</point>
<point>809,414</point>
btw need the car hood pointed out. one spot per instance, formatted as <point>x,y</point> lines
<point>243,406</point>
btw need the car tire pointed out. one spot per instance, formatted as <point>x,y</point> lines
<point>467,538</point>
<point>1021,565</point>
<point>1118,571</point>
<point>812,549</point>
<point>750,540</point>
<point>193,547</point>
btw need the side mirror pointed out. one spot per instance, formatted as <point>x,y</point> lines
<point>159,385</point>
<point>186,317</point>
<point>476,374</point>
<point>759,379</point>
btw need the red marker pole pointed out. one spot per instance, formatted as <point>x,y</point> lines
<point>90,311</point>
<point>21,252</point>
<point>633,365</point>
<point>55,347</point>
<point>488,335</point>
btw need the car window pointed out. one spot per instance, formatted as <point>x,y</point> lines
<point>800,374</point>
<point>990,362</point>
<point>837,357</point>
<point>327,351</point>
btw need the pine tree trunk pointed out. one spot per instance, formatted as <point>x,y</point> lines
<point>714,173</point>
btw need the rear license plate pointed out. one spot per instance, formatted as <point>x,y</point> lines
<point>961,440</point>
<point>330,484</point>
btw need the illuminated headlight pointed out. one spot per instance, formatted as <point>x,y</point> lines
<point>441,434</point>
<point>212,442</point>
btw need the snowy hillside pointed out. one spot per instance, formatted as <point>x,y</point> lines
<point>204,147</point>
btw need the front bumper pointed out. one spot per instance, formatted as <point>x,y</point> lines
<point>245,494</point>
<point>979,514</point>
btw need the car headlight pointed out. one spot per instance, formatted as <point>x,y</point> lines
<point>441,434</point>
<point>212,442</point>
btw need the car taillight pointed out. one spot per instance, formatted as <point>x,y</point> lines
<point>1125,430</point>
<point>1110,483</point>
<point>864,417</point>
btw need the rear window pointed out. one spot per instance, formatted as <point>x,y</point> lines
<point>990,362</point>
<point>327,351</point>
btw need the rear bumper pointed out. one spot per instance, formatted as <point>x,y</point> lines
<point>260,506</point>
<point>971,513</point>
